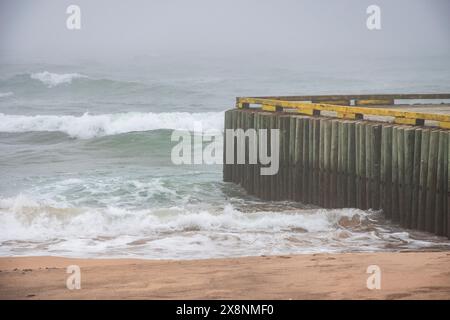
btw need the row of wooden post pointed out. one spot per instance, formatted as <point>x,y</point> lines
<point>335,163</point>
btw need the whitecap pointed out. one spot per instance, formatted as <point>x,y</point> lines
<point>55,79</point>
<point>89,126</point>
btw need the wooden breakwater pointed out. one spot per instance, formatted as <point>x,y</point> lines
<point>336,163</point>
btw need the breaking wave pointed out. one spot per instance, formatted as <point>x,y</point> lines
<point>55,228</point>
<point>55,79</point>
<point>89,126</point>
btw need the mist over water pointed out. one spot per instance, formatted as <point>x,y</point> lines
<point>86,120</point>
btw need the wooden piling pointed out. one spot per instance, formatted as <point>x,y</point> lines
<point>440,227</point>
<point>298,158</point>
<point>376,166</point>
<point>351,166</point>
<point>291,165</point>
<point>423,179</point>
<point>316,163</point>
<point>305,161</point>
<point>327,164</point>
<point>394,179</point>
<point>431,181</point>
<point>334,161</point>
<point>416,178</point>
<point>400,174</point>
<point>386,170</point>
<point>362,167</point>
<point>321,172</point>
<point>227,167</point>
<point>256,167</point>
<point>310,161</point>
<point>342,155</point>
<point>408,176</point>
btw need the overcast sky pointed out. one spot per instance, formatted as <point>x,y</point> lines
<point>36,29</point>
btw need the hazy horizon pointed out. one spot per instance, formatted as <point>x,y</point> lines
<point>35,31</point>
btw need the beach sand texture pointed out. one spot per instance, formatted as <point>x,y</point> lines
<point>404,275</point>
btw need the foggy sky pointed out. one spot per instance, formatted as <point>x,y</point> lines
<point>36,29</point>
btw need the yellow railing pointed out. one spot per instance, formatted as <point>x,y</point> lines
<point>352,106</point>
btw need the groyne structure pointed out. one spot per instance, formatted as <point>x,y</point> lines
<point>380,152</point>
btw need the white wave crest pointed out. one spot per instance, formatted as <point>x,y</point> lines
<point>54,79</point>
<point>5,94</point>
<point>90,126</point>
<point>51,217</point>
<point>47,227</point>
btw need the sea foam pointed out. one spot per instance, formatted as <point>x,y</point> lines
<point>89,126</point>
<point>47,227</point>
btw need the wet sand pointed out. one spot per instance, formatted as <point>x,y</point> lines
<point>404,275</point>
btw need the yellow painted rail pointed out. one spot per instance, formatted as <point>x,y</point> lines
<point>340,104</point>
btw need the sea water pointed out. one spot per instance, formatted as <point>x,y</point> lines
<point>85,167</point>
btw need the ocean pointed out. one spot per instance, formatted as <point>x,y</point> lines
<point>85,166</point>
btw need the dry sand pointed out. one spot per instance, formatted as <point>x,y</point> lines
<point>408,275</point>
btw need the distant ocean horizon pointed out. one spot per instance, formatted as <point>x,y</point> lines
<point>85,160</point>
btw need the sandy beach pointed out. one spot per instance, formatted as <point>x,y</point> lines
<point>404,275</point>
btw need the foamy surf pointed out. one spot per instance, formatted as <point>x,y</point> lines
<point>54,79</point>
<point>89,126</point>
<point>31,226</point>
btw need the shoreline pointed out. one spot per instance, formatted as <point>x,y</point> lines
<point>404,275</point>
